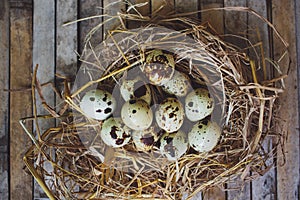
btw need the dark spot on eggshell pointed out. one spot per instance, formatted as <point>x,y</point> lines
<point>107,110</point>
<point>133,111</point>
<point>208,95</point>
<point>113,133</point>
<point>205,122</point>
<point>200,126</point>
<point>139,90</point>
<point>98,110</point>
<point>92,98</point>
<point>190,104</point>
<point>124,135</point>
<point>109,103</point>
<point>105,97</point>
<point>119,141</point>
<point>177,109</point>
<point>132,101</point>
<point>168,139</point>
<point>147,140</point>
<point>171,115</point>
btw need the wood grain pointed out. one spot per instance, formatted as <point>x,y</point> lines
<point>4,84</point>
<point>89,8</point>
<point>143,10</point>
<point>111,9</point>
<point>235,22</point>
<point>162,7</point>
<point>283,13</point>
<point>44,56</point>
<point>264,187</point>
<point>191,6</point>
<point>20,102</point>
<point>215,20</point>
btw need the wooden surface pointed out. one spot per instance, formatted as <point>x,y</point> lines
<point>37,36</point>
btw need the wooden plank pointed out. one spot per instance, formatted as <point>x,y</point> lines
<point>143,10</point>
<point>214,18</point>
<point>4,84</point>
<point>263,187</point>
<point>44,56</point>
<point>283,15</point>
<point>162,7</point>
<point>20,102</point>
<point>236,23</point>
<point>111,9</point>
<point>182,6</point>
<point>89,8</point>
<point>66,38</point>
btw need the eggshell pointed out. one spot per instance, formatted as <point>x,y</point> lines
<point>137,114</point>
<point>135,88</point>
<point>198,104</point>
<point>98,104</point>
<point>144,140</point>
<point>204,136</point>
<point>173,145</point>
<point>170,115</point>
<point>178,85</point>
<point>114,132</point>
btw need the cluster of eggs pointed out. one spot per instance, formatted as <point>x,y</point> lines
<point>136,120</point>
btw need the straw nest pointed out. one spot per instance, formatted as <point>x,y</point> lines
<point>72,162</point>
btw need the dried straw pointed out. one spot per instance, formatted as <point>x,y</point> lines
<point>70,161</point>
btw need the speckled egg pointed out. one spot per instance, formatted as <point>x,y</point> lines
<point>137,114</point>
<point>144,140</point>
<point>158,67</point>
<point>198,104</point>
<point>178,85</point>
<point>204,136</point>
<point>115,133</point>
<point>173,145</point>
<point>170,115</point>
<point>98,104</point>
<point>135,88</point>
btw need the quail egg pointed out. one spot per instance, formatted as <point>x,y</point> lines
<point>98,104</point>
<point>204,136</point>
<point>170,115</point>
<point>135,88</point>
<point>144,140</point>
<point>173,145</point>
<point>137,114</point>
<point>158,67</point>
<point>178,85</point>
<point>198,104</point>
<point>115,133</point>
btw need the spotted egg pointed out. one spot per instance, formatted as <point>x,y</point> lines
<point>158,67</point>
<point>114,132</point>
<point>204,136</point>
<point>98,104</point>
<point>135,88</point>
<point>178,85</point>
<point>198,104</point>
<point>145,139</point>
<point>173,145</point>
<point>170,115</point>
<point>137,114</point>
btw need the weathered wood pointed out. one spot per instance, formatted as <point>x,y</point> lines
<point>235,22</point>
<point>111,9</point>
<point>162,7</point>
<point>214,18</point>
<point>4,84</point>
<point>283,14</point>
<point>66,38</point>
<point>88,8</point>
<point>191,6</point>
<point>44,56</point>
<point>20,102</point>
<point>143,10</point>
<point>263,187</point>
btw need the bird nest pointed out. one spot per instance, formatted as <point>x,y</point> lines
<point>71,161</point>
